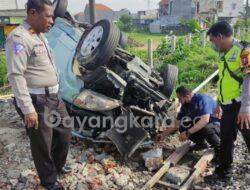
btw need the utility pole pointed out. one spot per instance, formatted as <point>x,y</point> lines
<point>16,5</point>
<point>148,4</point>
<point>92,12</point>
<point>247,9</point>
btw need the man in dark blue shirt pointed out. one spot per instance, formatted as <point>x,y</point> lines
<point>197,118</point>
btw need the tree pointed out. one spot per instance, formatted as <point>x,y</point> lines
<point>191,24</point>
<point>245,15</point>
<point>125,23</point>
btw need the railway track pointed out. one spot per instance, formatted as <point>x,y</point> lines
<point>172,161</point>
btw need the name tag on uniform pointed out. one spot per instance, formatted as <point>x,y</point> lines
<point>233,56</point>
<point>40,50</point>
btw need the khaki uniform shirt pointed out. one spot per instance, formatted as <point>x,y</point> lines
<point>29,63</point>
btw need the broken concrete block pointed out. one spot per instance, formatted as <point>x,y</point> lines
<point>121,180</point>
<point>153,159</point>
<point>10,147</point>
<point>177,174</point>
<point>13,182</point>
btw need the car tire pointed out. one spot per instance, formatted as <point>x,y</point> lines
<point>102,54</point>
<point>170,77</point>
<point>60,8</point>
<point>123,42</point>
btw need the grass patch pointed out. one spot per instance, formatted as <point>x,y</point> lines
<point>3,70</point>
<point>143,37</point>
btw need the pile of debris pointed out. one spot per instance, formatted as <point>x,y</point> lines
<point>100,166</point>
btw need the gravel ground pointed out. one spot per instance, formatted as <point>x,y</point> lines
<point>94,167</point>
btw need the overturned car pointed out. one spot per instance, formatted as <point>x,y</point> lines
<point>120,98</point>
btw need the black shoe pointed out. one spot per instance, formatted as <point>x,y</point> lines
<point>220,173</point>
<point>65,170</point>
<point>55,186</point>
<point>215,161</point>
<point>197,147</point>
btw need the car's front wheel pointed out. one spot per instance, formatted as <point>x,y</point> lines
<point>97,46</point>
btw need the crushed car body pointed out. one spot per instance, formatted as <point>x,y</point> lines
<point>99,79</point>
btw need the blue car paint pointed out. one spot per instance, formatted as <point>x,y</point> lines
<point>63,39</point>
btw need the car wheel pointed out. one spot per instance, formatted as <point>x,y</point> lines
<point>170,77</point>
<point>123,42</point>
<point>97,46</point>
<point>60,8</point>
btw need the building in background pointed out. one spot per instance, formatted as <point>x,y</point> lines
<point>143,19</point>
<point>172,12</point>
<point>207,12</point>
<point>10,18</point>
<point>229,10</point>
<point>102,12</point>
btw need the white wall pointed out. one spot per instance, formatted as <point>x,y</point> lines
<point>8,4</point>
<point>228,9</point>
<point>207,5</point>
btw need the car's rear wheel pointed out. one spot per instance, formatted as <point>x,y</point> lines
<point>97,46</point>
<point>170,77</point>
<point>60,8</point>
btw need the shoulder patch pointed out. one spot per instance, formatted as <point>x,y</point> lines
<point>18,47</point>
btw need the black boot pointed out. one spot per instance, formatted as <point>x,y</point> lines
<point>54,186</point>
<point>220,173</point>
<point>64,170</point>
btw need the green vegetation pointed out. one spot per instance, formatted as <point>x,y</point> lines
<point>194,62</point>
<point>191,24</point>
<point>142,38</point>
<point>125,23</point>
<point>3,70</point>
<point>3,76</point>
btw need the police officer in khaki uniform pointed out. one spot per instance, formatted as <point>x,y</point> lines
<point>34,80</point>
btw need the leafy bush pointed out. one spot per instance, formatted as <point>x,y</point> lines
<point>192,25</point>
<point>195,63</point>
<point>125,23</point>
<point>3,70</point>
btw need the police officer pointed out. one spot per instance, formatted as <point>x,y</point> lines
<point>233,94</point>
<point>34,80</point>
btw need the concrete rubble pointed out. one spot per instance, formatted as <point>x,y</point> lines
<point>94,167</point>
<point>177,174</point>
<point>153,159</point>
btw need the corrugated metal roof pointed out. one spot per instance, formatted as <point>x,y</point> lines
<point>13,13</point>
<point>8,4</point>
<point>101,7</point>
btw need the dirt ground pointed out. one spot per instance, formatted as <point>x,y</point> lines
<point>95,166</point>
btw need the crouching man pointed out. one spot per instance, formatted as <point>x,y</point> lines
<point>197,120</point>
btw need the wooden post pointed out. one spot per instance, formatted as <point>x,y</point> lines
<point>167,38</point>
<point>204,39</point>
<point>173,43</point>
<point>150,53</point>
<point>188,39</point>
<point>172,160</point>
<point>200,167</point>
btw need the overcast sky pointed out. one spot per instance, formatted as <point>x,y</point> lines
<point>76,6</point>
